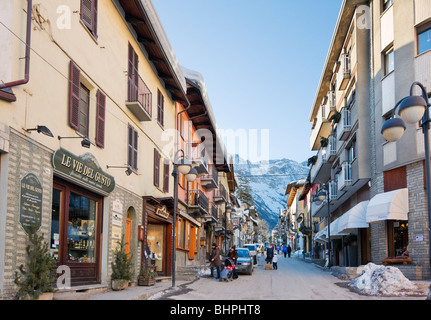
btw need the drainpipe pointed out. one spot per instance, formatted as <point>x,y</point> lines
<point>27,52</point>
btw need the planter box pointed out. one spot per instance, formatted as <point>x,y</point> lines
<point>142,281</point>
<point>118,285</point>
<point>46,296</point>
<point>405,260</point>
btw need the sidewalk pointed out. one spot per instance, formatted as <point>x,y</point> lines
<point>131,293</point>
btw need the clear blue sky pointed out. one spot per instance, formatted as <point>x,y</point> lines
<point>261,61</point>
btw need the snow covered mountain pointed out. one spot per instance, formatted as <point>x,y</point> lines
<point>268,181</point>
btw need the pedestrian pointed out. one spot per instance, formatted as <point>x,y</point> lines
<point>269,255</point>
<point>274,261</point>
<point>233,254</point>
<point>289,250</point>
<point>284,250</point>
<point>215,260</point>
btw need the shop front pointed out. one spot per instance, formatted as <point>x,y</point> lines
<point>78,192</point>
<point>158,234</point>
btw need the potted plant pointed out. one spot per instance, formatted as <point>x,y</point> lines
<point>147,277</point>
<point>121,268</point>
<point>36,280</point>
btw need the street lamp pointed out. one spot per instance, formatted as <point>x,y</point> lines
<point>321,195</point>
<point>413,109</point>
<point>181,164</point>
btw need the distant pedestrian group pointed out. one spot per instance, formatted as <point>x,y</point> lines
<point>287,250</point>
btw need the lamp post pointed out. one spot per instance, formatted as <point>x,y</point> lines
<point>320,197</point>
<point>413,109</point>
<point>185,167</point>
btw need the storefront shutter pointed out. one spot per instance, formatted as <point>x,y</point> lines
<point>156,168</point>
<point>100,120</point>
<point>74,95</point>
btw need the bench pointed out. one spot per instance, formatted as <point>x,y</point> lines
<point>397,260</point>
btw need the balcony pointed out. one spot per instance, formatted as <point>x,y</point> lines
<point>200,160</point>
<point>221,195</point>
<point>210,181</point>
<point>212,215</point>
<point>140,100</point>
<point>332,148</point>
<point>198,202</point>
<point>344,72</point>
<point>345,175</point>
<point>321,127</point>
<point>344,126</point>
<point>333,190</point>
<point>321,170</point>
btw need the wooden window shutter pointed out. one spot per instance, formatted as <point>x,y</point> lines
<point>160,108</point>
<point>89,10</point>
<point>133,75</point>
<point>135,149</point>
<point>166,176</point>
<point>132,148</point>
<point>74,95</point>
<point>100,119</point>
<point>156,168</point>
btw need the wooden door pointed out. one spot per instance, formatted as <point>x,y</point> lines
<point>128,237</point>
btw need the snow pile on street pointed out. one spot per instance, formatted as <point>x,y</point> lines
<point>385,281</point>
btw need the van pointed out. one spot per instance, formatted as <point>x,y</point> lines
<point>253,252</point>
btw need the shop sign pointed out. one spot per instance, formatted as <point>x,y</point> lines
<point>83,170</point>
<point>30,203</point>
<point>162,212</point>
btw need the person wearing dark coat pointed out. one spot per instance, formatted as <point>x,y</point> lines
<point>215,260</point>
<point>269,254</point>
<point>233,254</point>
<point>289,250</point>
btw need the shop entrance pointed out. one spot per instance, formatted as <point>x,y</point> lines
<point>156,235</point>
<point>76,231</point>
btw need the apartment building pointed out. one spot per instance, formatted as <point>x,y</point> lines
<point>377,200</point>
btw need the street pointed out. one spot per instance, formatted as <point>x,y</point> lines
<point>294,280</point>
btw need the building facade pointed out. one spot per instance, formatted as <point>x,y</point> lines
<point>85,151</point>
<point>379,48</point>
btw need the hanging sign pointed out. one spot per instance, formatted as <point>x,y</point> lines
<point>30,203</point>
<point>162,212</point>
<point>83,170</point>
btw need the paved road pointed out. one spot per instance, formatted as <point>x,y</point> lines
<point>294,280</point>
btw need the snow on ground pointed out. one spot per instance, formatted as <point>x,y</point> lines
<point>385,281</point>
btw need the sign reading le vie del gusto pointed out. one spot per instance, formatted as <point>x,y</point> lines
<point>83,170</point>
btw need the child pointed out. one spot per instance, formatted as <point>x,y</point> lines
<point>274,261</point>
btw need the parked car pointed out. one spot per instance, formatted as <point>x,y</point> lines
<point>244,263</point>
<point>253,251</point>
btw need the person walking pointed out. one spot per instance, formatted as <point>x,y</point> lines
<point>289,250</point>
<point>284,250</point>
<point>269,256</point>
<point>215,260</point>
<point>233,254</point>
<point>274,261</point>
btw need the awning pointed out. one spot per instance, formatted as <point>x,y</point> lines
<point>334,230</point>
<point>319,236</point>
<point>353,219</point>
<point>393,205</point>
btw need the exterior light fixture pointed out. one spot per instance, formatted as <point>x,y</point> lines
<point>86,143</point>
<point>128,169</point>
<point>42,129</point>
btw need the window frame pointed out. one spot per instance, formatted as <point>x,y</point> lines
<point>426,27</point>
<point>386,61</point>
<point>91,26</point>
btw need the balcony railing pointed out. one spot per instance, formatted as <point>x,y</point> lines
<point>221,194</point>
<point>345,125</point>
<point>333,188</point>
<point>210,181</point>
<point>200,160</point>
<point>345,175</point>
<point>198,202</point>
<point>140,100</point>
<point>332,148</point>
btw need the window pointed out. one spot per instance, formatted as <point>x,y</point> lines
<point>424,39</point>
<point>398,237</point>
<point>84,109</point>
<point>132,150</point>
<point>160,108</point>
<point>389,61</point>
<point>387,4</point>
<point>80,105</point>
<point>89,15</point>
<point>166,176</point>
<point>352,151</point>
<point>132,75</point>
<point>156,168</point>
